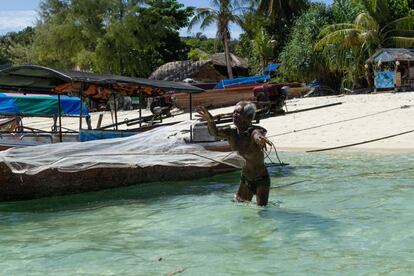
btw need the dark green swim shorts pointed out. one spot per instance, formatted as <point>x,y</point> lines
<point>253,184</point>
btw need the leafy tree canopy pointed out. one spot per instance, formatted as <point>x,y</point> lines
<point>14,46</point>
<point>277,18</point>
<point>300,61</point>
<point>127,37</point>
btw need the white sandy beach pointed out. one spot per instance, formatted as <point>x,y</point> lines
<point>385,117</point>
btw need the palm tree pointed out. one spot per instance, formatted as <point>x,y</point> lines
<point>277,16</point>
<point>366,32</point>
<point>263,45</point>
<point>224,13</point>
<point>281,8</point>
<point>371,29</point>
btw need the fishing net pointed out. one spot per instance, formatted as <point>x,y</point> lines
<point>162,146</point>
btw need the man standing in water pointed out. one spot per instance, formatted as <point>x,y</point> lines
<point>249,141</point>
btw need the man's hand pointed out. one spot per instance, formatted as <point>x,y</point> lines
<point>261,140</point>
<point>205,115</point>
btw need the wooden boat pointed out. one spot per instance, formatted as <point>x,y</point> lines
<point>216,98</point>
<point>297,90</point>
<point>229,96</point>
<point>67,168</point>
<point>55,183</point>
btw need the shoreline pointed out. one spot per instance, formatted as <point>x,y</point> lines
<point>349,150</point>
<point>357,119</point>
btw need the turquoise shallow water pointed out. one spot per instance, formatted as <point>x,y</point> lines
<point>329,214</point>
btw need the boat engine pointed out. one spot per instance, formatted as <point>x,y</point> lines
<point>162,105</point>
<point>271,98</point>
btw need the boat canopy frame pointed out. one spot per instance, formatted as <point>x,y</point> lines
<point>36,79</point>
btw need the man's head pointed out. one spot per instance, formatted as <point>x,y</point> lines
<point>243,114</point>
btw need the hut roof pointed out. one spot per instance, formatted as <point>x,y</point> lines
<point>180,70</point>
<point>177,70</point>
<point>392,54</point>
<point>220,59</point>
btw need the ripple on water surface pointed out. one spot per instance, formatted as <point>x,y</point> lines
<point>328,214</point>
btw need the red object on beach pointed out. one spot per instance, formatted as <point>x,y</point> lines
<point>271,89</point>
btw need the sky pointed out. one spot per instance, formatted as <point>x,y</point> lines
<point>15,15</point>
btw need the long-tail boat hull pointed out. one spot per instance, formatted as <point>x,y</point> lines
<point>52,182</point>
<point>216,97</point>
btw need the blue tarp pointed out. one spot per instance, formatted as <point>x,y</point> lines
<point>314,84</point>
<point>39,105</point>
<point>384,79</point>
<point>91,135</point>
<point>239,81</point>
<point>272,67</point>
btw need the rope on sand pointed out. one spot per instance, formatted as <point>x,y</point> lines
<point>312,108</point>
<point>364,142</point>
<point>341,121</point>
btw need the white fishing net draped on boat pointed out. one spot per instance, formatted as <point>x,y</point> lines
<point>162,146</point>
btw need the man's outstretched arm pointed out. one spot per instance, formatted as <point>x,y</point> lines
<point>212,128</point>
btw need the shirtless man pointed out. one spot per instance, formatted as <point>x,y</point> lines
<point>249,141</point>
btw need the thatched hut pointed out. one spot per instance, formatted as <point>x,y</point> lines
<point>206,71</point>
<point>393,68</point>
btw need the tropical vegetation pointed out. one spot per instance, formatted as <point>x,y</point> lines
<point>127,37</point>
<point>310,39</point>
<point>378,25</point>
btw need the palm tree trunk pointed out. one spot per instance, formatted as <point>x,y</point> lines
<point>121,17</point>
<point>227,55</point>
<point>264,63</point>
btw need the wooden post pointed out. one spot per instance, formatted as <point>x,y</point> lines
<point>395,76</point>
<point>60,119</point>
<point>140,109</point>
<point>116,109</point>
<point>408,82</point>
<point>191,116</point>
<point>191,105</point>
<point>81,106</point>
<point>99,120</point>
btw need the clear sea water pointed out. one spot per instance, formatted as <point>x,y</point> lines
<point>329,214</point>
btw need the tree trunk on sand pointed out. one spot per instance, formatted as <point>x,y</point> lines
<point>368,77</point>
<point>227,55</point>
<point>264,63</point>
